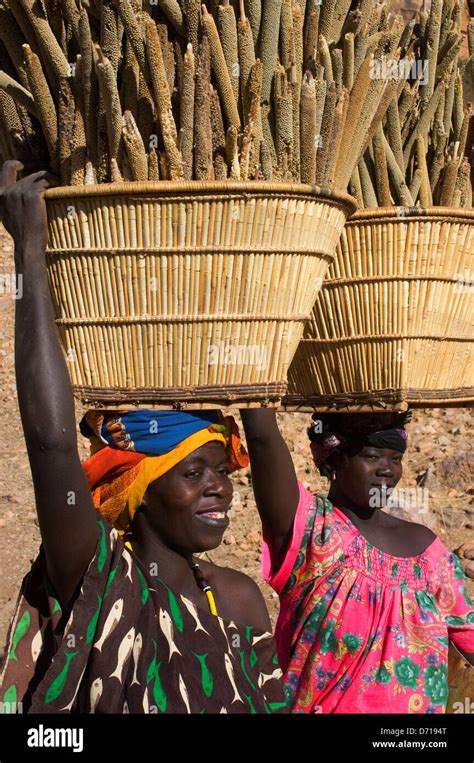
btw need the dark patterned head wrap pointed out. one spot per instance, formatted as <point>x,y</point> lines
<point>346,430</point>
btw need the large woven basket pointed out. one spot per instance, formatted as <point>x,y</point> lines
<point>393,323</point>
<point>187,293</point>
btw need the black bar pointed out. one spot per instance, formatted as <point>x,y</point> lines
<point>112,738</point>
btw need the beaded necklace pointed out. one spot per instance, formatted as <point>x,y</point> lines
<point>199,578</point>
<point>204,586</point>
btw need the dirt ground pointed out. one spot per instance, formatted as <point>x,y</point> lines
<point>439,458</point>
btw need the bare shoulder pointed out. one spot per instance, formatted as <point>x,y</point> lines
<point>421,534</point>
<point>234,581</point>
<point>239,595</point>
<point>421,531</point>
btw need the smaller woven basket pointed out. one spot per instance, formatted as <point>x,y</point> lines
<point>194,294</point>
<point>393,323</point>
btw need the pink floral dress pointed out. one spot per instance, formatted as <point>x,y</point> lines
<point>359,630</point>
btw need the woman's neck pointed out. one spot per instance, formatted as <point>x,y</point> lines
<point>171,566</point>
<point>360,516</point>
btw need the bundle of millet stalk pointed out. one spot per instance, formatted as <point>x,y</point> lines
<point>422,152</point>
<point>102,91</point>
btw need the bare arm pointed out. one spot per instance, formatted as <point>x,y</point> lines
<point>63,501</point>
<point>273,478</point>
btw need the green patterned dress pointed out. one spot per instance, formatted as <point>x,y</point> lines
<point>131,645</point>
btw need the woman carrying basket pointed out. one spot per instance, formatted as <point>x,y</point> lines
<point>116,614</point>
<point>368,601</point>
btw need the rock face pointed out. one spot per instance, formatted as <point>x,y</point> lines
<point>439,460</point>
<point>408,8</point>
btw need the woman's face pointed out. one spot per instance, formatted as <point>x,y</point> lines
<point>367,476</point>
<point>188,506</point>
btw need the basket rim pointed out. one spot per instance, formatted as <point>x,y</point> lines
<point>409,396</point>
<point>206,187</point>
<point>113,397</point>
<point>402,214</point>
<point>384,337</point>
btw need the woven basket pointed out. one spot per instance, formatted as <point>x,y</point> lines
<point>392,324</point>
<point>187,293</point>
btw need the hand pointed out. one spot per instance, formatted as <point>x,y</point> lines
<point>22,204</point>
<point>466,553</point>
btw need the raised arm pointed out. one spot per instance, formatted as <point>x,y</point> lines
<point>63,501</point>
<point>273,478</point>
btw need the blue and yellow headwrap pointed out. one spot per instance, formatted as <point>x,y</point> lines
<point>132,449</point>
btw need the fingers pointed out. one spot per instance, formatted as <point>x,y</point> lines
<point>40,186</point>
<point>31,185</point>
<point>9,172</point>
<point>46,177</point>
<point>43,179</point>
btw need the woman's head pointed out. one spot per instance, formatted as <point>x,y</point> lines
<point>171,467</point>
<point>188,506</point>
<point>361,454</point>
<point>365,475</point>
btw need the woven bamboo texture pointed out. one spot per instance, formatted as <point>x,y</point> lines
<point>393,322</point>
<point>169,293</point>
